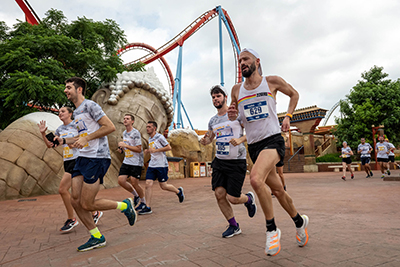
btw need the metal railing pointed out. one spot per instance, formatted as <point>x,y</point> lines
<point>297,153</point>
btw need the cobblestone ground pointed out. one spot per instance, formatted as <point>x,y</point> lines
<point>352,223</point>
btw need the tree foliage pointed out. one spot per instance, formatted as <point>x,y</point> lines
<point>374,100</point>
<point>36,60</point>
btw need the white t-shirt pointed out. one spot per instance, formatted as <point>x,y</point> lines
<point>346,150</point>
<point>68,131</point>
<point>86,120</point>
<point>158,159</point>
<point>132,138</point>
<point>224,131</point>
<point>364,150</point>
<point>381,149</point>
<point>390,147</point>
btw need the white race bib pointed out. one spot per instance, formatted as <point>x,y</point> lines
<point>256,111</point>
<point>222,148</point>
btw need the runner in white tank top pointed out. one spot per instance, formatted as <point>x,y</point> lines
<point>255,100</point>
<point>229,165</point>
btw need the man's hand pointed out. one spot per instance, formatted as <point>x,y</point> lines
<point>42,126</point>
<point>205,140</point>
<point>81,142</point>
<point>286,124</point>
<point>235,141</point>
<point>232,112</point>
<point>122,144</point>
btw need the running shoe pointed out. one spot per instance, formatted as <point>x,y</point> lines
<point>140,207</point>
<point>383,176</point>
<point>68,225</point>
<point>371,174</point>
<point>93,243</point>
<point>97,216</point>
<point>367,176</point>
<point>273,245</point>
<point>231,231</point>
<point>145,210</point>
<point>180,195</point>
<point>388,172</point>
<point>251,207</point>
<point>136,201</point>
<point>130,212</point>
<point>352,176</point>
<point>301,233</point>
<point>344,178</point>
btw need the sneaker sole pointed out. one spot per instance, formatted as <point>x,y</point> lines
<point>101,245</point>
<point>66,231</point>
<point>181,188</point>
<point>134,211</point>
<point>145,213</point>
<point>307,220</point>
<point>235,233</point>
<point>279,249</point>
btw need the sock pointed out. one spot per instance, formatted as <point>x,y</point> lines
<point>298,220</point>
<point>122,206</point>
<point>232,221</point>
<point>249,200</point>
<point>143,200</point>
<point>135,193</point>
<point>271,225</point>
<point>95,232</point>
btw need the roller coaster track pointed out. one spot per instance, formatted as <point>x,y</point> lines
<point>179,39</point>
<point>328,115</point>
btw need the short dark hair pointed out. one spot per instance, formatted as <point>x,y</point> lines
<point>78,82</point>
<point>154,123</point>
<point>217,89</point>
<point>130,115</point>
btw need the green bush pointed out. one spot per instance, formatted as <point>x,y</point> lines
<point>330,158</point>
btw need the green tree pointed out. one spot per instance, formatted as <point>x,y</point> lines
<point>374,100</point>
<point>36,60</point>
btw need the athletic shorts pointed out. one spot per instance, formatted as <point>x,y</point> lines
<point>391,158</point>
<point>130,170</point>
<point>383,159</point>
<point>160,173</point>
<point>347,160</point>
<point>365,160</point>
<point>273,142</point>
<point>229,174</point>
<point>91,169</point>
<point>69,165</point>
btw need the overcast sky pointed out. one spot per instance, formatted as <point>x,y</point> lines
<point>319,47</point>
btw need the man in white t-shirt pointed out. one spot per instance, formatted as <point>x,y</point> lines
<point>131,167</point>
<point>229,165</point>
<point>391,156</point>
<point>92,163</point>
<point>158,166</point>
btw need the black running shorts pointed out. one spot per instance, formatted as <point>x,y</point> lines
<point>69,165</point>
<point>347,160</point>
<point>365,160</point>
<point>391,158</point>
<point>130,170</point>
<point>273,142</point>
<point>229,174</point>
<point>382,159</point>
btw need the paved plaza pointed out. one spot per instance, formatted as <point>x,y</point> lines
<point>352,223</point>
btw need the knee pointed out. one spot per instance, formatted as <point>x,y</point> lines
<point>220,193</point>
<point>62,190</point>
<point>121,181</point>
<point>86,206</point>
<point>163,186</point>
<point>278,193</point>
<point>75,201</point>
<point>233,200</point>
<point>256,182</point>
<point>149,184</point>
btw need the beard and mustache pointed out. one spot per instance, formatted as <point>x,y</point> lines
<point>220,105</point>
<point>247,73</point>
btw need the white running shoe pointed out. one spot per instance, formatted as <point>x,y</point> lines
<point>301,233</point>
<point>273,245</point>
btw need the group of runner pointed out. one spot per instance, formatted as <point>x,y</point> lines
<point>385,157</point>
<point>86,154</point>
<point>253,108</point>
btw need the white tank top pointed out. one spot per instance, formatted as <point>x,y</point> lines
<point>257,111</point>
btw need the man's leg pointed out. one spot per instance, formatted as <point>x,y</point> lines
<point>168,187</point>
<point>226,209</point>
<point>280,173</point>
<point>149,191</point>
<point>123,182</point>
<point>63,190</point>
<point>135,183</point>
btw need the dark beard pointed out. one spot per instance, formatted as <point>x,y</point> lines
<point>250,71</point>
<point>220,106</point>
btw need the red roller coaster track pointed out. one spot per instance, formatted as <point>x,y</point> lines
<point>178,40</point>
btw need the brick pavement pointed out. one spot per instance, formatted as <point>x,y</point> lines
<point>352,223</point>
